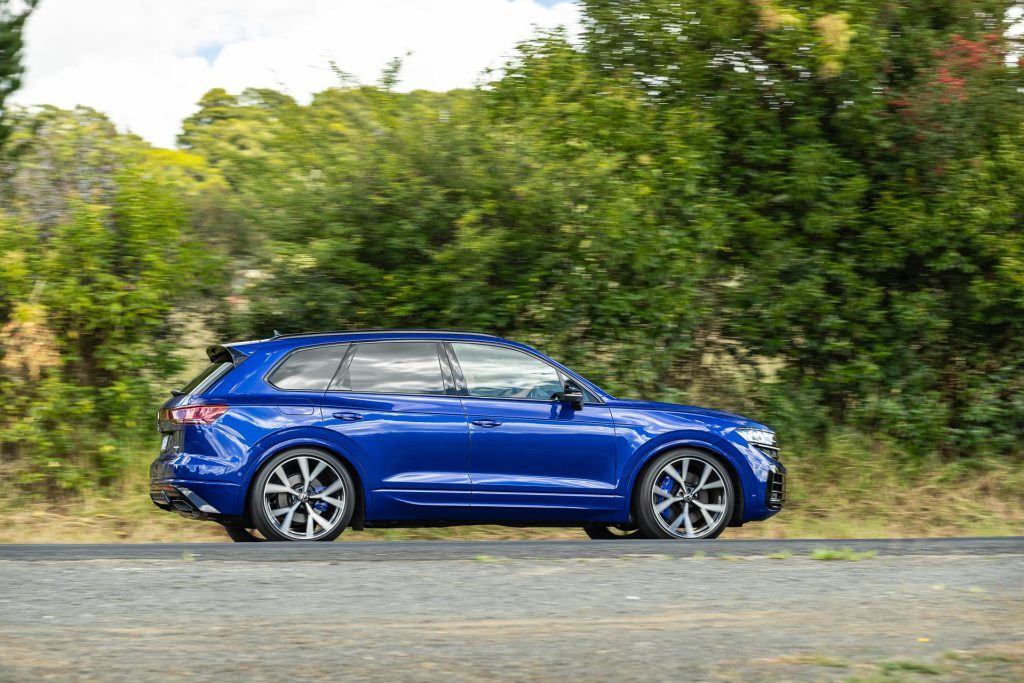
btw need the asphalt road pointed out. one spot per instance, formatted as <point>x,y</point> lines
<point>418,551</point>
<point>529,611</point>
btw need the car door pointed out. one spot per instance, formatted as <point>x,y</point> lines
<point>532,458</point>
<point>395,404</point>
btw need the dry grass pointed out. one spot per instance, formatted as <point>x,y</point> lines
<point>845,490</point>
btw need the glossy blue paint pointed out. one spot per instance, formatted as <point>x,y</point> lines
<point>452,457</point>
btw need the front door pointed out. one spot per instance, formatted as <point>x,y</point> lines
<point>395,405</point>
<point>533,458</point>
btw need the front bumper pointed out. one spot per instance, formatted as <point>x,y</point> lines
<point>776,494</point>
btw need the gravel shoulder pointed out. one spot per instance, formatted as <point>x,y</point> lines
<point>625,617</point>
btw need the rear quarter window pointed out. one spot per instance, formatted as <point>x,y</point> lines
<point>308,369</point>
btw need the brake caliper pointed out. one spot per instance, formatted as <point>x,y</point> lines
<point>666,485</point>
<point>319,505</point>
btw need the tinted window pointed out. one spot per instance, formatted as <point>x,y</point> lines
<point>394,368</point>
<point>496,372</point>
<point>210,374</point>
<point>308,369</point>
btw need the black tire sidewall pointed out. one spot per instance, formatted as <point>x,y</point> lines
<point>259,515</point>
<point>644,509</point>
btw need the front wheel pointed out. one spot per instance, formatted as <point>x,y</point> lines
<point>685,493</point>
<point>302,495</point>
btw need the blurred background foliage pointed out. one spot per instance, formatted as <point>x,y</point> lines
<point>808,212</point>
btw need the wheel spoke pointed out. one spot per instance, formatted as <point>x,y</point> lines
<point>330,489</point>
<point>711,507</point>
<point>282,476</point>
<point>678,520</point>
<point>309,522</point>
<point>707,518</point>
<point>671,470</point>
<point>708,469</point>
<point>271,487</point>
<point>658,491</point>
<point>324,524</point>
<point>286,524</point>
<point>304,468</point>
<point>713,485</point>
<point>336,502</point>
<point>320,465</point>
<point>686,521</point>
<point>665,504</point>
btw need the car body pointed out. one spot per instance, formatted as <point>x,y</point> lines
<point>488,431</point>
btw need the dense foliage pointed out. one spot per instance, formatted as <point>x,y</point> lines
<point>97,250</point>
<point>808,211</point>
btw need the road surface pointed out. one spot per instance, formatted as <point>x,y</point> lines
<point>528,611</point>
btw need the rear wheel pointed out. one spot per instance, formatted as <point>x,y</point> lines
<point>603,532</point>
<point>302,495</point>
<point>685,493</point>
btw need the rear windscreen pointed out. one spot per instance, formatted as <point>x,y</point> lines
<point>210,374</point>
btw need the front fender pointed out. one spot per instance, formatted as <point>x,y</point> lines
<point>749,491</point>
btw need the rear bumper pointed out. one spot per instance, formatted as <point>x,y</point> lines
<point>195,500</point>
<point>180,499</point>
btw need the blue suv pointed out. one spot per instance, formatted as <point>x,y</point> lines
<point>302,436</point>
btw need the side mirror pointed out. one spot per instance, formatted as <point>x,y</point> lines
<point>572,394</point>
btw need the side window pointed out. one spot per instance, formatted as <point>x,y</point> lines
<point>393,368</point>
<point>308,369</point>
<point>497,372</point>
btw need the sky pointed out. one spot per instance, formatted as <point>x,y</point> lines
<point>145,63</point>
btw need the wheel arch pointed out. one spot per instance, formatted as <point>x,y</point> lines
<point>362,500</point>
<point>730,467</point>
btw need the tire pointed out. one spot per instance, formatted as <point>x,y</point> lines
<point>239,534</point>
<point>303,494</point>
<point>609,532</point>
<point>684,493</point>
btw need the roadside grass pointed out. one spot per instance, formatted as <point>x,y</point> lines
<point>850,487</point>
<point>904,666</point>
<point>785,555</point>
<point>843,554</point>
<point>999,664</point>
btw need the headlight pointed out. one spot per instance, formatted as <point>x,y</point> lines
<point>760,437</point>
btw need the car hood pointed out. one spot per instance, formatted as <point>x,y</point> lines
<point>718,416</point>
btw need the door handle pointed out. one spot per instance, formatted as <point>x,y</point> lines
<point>487,423</point>
<point>348,417</point>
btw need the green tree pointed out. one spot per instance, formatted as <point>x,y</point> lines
<point>99,252</point>
<point>867,165</point>
<point>13,14</point>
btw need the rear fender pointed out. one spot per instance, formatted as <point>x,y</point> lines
<point>305,438</point>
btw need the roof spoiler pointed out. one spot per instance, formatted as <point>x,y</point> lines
<point>224,354</point>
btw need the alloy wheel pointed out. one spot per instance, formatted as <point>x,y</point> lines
<point>305,498</point>
<point>689,497</point>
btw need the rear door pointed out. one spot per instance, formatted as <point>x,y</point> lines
<point>395,404</point>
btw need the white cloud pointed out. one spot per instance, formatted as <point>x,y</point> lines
<point>144,62</point>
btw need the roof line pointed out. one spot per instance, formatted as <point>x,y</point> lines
<point>278,335</point>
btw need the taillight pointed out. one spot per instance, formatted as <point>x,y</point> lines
<point>194,415</point>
